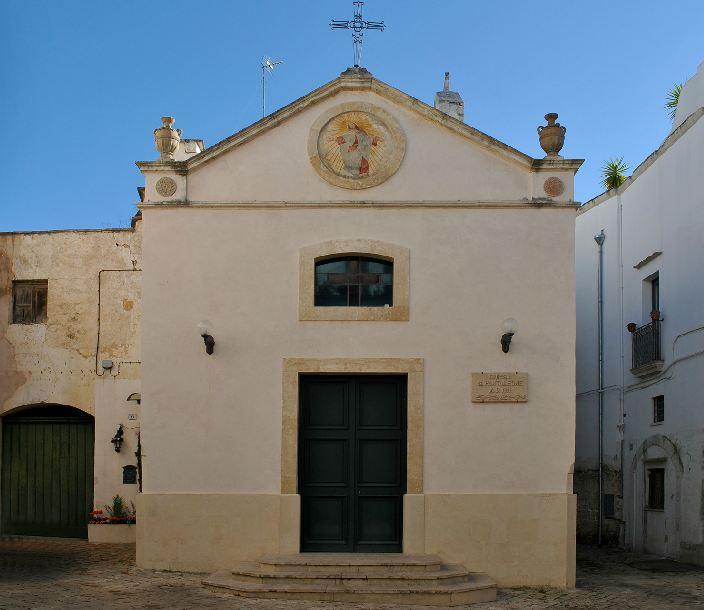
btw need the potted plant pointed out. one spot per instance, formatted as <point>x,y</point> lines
<point>613,173</point>
<point>114,525</point>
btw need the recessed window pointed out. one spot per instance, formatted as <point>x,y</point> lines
<point>354,281</point>
<point>656,488</point>
<point>658,409</point>
<point>609,505</point>
<point>29,302</point>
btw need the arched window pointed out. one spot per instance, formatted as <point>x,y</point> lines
<point>354,281</point>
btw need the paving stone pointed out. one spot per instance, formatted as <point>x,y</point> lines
<point>52,574</point>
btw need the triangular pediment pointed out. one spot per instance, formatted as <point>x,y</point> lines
<point>358,139</point>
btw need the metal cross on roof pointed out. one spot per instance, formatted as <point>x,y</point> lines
<point>357,25</point>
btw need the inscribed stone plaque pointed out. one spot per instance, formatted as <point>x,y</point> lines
<point>499,387</point>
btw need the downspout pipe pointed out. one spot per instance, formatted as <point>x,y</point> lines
<point>599,239</point>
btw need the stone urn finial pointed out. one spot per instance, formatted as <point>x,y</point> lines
<point>552,135</point>
<point>166,139</point>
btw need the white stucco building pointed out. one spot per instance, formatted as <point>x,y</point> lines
<point>653,421</point>
<point>472,231</point>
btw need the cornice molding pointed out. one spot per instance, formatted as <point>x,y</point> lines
<point>539,204</point>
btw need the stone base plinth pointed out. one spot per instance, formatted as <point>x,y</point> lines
<point>112,533</point>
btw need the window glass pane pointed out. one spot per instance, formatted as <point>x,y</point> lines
<point>332,266</point>
<point>354,281</point>
<point>40,304</point>
<point>377,295</point>
<point>656,488</point>
<point>658,409</point>
<point>375,266</point>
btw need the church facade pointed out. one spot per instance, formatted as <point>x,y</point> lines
<point>351,328</point>
<point>350,261</point>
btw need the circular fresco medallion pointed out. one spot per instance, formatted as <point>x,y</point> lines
<point>356,145</point>
<point>165,186</point>
<point>553,187</point>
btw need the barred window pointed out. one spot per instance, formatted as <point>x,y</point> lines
<point>29,301</point>
<point>658,409</point>
<point>354,281</point>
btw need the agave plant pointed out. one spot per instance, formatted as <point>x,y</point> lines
<point>672,99</point>
<point>613,173</point>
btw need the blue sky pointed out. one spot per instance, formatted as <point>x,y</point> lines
<point>83,83</point>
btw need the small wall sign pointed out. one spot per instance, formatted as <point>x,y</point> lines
<point>132,416</point>
<point>499,387</point>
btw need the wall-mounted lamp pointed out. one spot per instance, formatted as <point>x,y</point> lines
<point>204,329</point>
<point>118,439</point>
<point>508,327</point>
<point>135,397</point>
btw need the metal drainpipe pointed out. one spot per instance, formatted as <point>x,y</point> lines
<point>599,239</point>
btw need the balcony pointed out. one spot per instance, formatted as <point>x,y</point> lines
<point>646,356</point>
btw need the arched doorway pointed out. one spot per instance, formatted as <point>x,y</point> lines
<point>47,471</point>
<point>655,488</point>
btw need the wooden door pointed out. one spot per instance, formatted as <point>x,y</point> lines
<point>47,472</point>
<point>352,463</point>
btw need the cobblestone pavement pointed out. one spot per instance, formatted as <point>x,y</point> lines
<point>47,573</point>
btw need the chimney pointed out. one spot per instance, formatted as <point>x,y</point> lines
<point>449,102</point>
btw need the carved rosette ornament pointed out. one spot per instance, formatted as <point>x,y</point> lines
<point>165,186</point>
<point>552,136</point>
<point>356,145</point>
<point>554,187</point>
<point>166,139</point>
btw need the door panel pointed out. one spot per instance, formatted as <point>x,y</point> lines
<point>378,520</point>
<point>352,462</point>
<point>47,475</point>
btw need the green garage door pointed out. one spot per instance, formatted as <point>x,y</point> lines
<point>47,472</point>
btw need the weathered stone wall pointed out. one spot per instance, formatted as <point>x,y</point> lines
<point>93,312</point>
<point>586,487</point>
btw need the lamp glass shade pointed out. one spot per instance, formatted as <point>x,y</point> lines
<point>509,326</point>
<point>204,327</point>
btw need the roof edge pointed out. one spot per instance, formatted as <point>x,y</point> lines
<point>352,80</point>
<point>669,141</point>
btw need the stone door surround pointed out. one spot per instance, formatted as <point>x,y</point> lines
<point>294,367</point>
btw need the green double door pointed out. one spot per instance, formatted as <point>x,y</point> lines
<point>47,472</point>
<point>352,463</point>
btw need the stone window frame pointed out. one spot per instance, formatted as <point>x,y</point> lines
<point>309,255</point>
<point>36,316</point>
<point>293,368</point>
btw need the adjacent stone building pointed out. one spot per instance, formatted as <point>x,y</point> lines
<point>653,343</point>
<point>70,356</point>
<point>357,335</point>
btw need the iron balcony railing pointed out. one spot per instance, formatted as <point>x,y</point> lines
<point>646,344</point>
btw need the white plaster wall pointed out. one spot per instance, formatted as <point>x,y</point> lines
<point>663,210</point>
<point>691,97</point>
<point>111,410</point>
<point>439,165</point>
<point>213,423</point>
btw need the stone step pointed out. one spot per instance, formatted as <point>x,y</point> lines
<point>345,577</point>
<point>445,574</point>
<point>351,563</point>
<point>478,588</point>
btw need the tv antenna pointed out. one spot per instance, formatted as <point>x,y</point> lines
<point>268,66</point>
